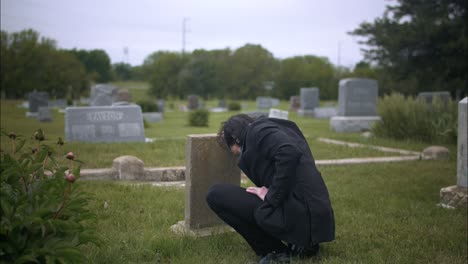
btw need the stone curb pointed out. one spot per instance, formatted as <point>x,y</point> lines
<point>358,145</point>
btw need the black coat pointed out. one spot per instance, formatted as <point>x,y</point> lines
<point>297,207</point>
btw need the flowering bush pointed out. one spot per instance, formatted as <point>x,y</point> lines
<point>43,212</point>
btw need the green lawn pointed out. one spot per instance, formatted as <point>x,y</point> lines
<point>385,213</point>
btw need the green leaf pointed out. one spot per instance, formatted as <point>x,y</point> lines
<point>20,144</point>
<point>27,259</point>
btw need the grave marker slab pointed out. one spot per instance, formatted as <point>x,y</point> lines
<point>45,114</point>
<point>264,102</point>
<point>357,110</point>
<point>429,97</point>
<point>104,124</point>
<point>206,164</point>
<point>309,100</point>
<point>102,95</point>
<point>294,103</point>
<point>277,113</point>
<point>193,102</point>
<point>36,100</point>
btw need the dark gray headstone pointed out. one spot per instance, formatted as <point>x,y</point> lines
<point>45,114</point>
<point>104,124</point>
<point>357,97</point>
<point>193,102</point>
<point>264,102</point>
<point>309,98</point>
<point>428,97</point>
<point>38,99</point>
<point>102,95</point>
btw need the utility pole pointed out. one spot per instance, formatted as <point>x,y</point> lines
<point>184,30</point>
<point>339,55</point>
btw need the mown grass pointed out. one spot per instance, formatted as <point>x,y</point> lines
<point>385,213</point>
<point>168,149</point>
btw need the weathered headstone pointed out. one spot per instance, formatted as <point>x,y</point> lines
<point>206,164</point>
<point>277,113</point>
<point>429,97</point>
<point>129,168</point>
<point>102,95</point>
<point>309,101</point>
<point>123,95</point>
<point>59,103</point>
<point>104,124</point>
<point>457,195</point>
<point>264,102</point>
<point>294,103</point>
<point>44,114</point>
<point>193,102</point>
<point>153,117</point>
<point>36,100</point>
<point>357,100</point>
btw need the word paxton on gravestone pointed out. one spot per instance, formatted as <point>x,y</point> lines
<point>122,123</point>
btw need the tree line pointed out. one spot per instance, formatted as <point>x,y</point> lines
<point>415,46</point>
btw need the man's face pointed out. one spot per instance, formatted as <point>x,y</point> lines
<point>235,149</point>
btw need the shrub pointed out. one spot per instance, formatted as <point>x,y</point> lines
<point>43,212</point>
<point>234,106</point>
<point>148,106</point>
<point>199,118</point>
<point>408,118</point>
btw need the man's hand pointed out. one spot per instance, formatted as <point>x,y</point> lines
<point>259,191</point>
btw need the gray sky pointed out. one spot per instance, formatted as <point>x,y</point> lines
<point>285,27</point>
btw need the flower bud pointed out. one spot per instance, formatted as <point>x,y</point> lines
<point>12,135</point>
<point>34,150</point>
<point>60,141</point>
<point>70,156</point>
<point>70,178</point>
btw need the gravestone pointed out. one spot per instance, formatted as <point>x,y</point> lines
<point>59,103</point>
<point>123,95</point>
<point>429,97</point>
<point>207,163</point>
<point>161,103</point>
<point>222,103</point>
<point>102,95</point>
<point>457,195</point>
<point>264,102</point>
<point>44,114</point>
<point>36,100</point>
<point>193,102</point>
<point>294,103</point>
<point>104,124</point>
<point>309,101</point>
<point>153,117</point>
<point>357,105</point>
<point>277,113</point>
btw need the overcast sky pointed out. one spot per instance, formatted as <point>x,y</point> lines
<point>284,27</point>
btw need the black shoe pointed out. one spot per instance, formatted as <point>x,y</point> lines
<point>303,252</point>
<point>271,258</point>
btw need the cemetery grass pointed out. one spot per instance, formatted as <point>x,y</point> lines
<point>385,213</point>
<point>168,148</point>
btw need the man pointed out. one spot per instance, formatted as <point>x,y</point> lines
<point>290,203</point>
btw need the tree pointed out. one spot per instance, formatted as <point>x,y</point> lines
<point>419,45</point>
<point>122,71</point>
<point>30,63</point>
<point>96,62</point>
<point>252,66</point>
<point>163,74</point>
<point>306,71</point>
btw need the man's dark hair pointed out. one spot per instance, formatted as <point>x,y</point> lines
<point>233,131</point>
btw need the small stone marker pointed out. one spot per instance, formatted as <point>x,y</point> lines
<point>129,168</point>
<point>309,101</point>
<point>264,102</point>
<point>435,153</point>
<point>123,95</point>
<point>36,100</point>
<point>45,114</point>
<point>357,111</point>
<point>457,195</point>
<point>277,113</point>
<point>207,163</point>
<point>294,103</point>
<point>102,95</point>
<point>193,102</point>
<point>429,97</point>
<point>122,123</point>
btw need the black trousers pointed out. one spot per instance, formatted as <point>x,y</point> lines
<point>236,207</point>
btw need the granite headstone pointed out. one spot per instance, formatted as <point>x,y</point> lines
<point>102,95</point>
<point>104,124</point>
<point>38,99</point>
<point>357,97</point>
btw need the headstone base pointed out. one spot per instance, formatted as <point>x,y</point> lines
<point>153,117</point>
<point>325,112</point>
<point>32,114</point>
<point>181,229</point>
<point>305,112</point>
<point>353,123</point>
<point>454,197</point>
